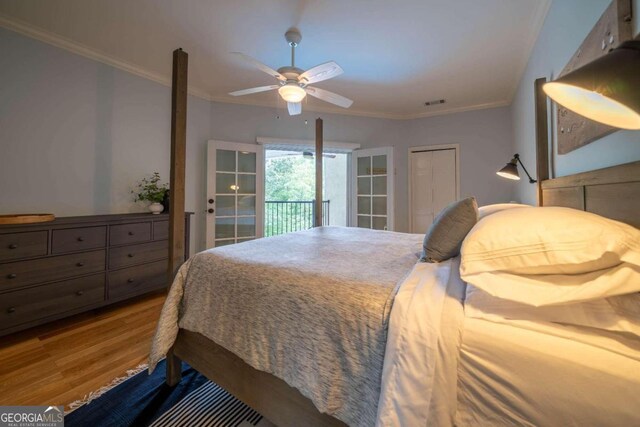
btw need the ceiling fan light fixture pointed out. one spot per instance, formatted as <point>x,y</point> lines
<point>291,92</point>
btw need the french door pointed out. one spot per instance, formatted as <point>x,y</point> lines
<point>372,183</point>
<point>235,192</point>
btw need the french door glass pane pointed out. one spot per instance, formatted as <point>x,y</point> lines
<point>225,228</point>
<point>364,221</point>
<point>226,206</point>
<point>235,196</point>
<point>380,165</point>
<point>364,205</point>
<point>364,185</point>
<point>364,166</point>
<point>247,226</point>
<point>379,223</point>
<point>247,184</point>
<point>225,161</point>
<point>225,183</point>
<point>379,206</point>
<point>246,162</point>
<point>246,205</point>
<point>380,185</point>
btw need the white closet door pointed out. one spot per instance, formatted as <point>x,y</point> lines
<point>433,185</point>
<point>444,179</point>
<point>421,191</point>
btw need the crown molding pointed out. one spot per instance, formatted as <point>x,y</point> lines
<point>58,41</point>
<point>531,40</point>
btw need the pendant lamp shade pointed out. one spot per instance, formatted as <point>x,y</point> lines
<point>606,90</point>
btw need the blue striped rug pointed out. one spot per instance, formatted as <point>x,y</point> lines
<point>145,400</point>
<point>210,405</point>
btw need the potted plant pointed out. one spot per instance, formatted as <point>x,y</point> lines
<point>151,190</point>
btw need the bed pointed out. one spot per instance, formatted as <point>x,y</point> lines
<point>450,377</point>
<point>417,358</point>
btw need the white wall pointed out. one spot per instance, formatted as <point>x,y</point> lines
<point>567,24</point>
<point>75,135</point>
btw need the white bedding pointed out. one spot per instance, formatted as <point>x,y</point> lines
<point>419,373</point>
<point>442,368</point>
<point>536,374</point>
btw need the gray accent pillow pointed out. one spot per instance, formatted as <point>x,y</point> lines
<point>451,226</point>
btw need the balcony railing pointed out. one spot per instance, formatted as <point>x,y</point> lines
<point>286,216</point>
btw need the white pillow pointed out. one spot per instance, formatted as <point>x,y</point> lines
<point>550,256</point>
<point>491,209</point>
<point>547,240</point>
<point>554,289</point>
<point>617,314</point>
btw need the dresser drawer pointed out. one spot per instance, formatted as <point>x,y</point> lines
<point>25,305</point>
<point>125,256</point>
<point>130,233</point>
<point>23,245</point>
<point>24,273</point>
<point>160,230</point>
<point>78,239</point>
<point>137,280</point>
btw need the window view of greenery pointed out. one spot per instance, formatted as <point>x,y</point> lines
<point>289,193</point>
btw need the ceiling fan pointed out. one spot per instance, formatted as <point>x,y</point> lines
<point>293,82</point>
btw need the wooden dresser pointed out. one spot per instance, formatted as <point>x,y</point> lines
<point>74,264</point>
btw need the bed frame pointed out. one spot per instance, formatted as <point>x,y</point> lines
<point>612,192</point>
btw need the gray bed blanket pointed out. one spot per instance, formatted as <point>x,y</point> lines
<point>311,308</point>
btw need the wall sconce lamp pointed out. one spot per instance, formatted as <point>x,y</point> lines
<point>606,90</point>
<point>510,171</point>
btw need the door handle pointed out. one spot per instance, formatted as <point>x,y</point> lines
<point>211,201</point>
<point>210,210</point>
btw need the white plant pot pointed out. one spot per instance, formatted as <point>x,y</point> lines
<point>156,208</point>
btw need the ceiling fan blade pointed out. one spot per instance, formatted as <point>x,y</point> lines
<point>330,97</point>
<point>320,72</point>
<point>253,90</point>
<point>260,66</point>
<point>294,108</point>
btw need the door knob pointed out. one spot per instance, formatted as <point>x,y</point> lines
<point>210,210</point>
<point>211,201</point>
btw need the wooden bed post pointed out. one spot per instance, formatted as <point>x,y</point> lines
<point>319,142</point>
<point>542,136</point>
<point>176,184</point>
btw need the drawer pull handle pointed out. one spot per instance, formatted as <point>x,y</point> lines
<point>130,280</point>
<point>131,233</point>
<point>11,310</point>
<point>80,239</point>
<point>12,276</point>
<point>80,264</point>
<point>79,293</point>
<point>13,246</point>
<point>131,255</point>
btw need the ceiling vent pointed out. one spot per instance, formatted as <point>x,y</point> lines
<point>435,102</point>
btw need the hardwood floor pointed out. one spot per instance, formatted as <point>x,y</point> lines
<point>63,361</point>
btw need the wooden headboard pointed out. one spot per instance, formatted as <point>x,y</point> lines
<point>611,192</point>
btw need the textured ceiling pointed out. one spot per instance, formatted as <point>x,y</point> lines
<point>396,54</point>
